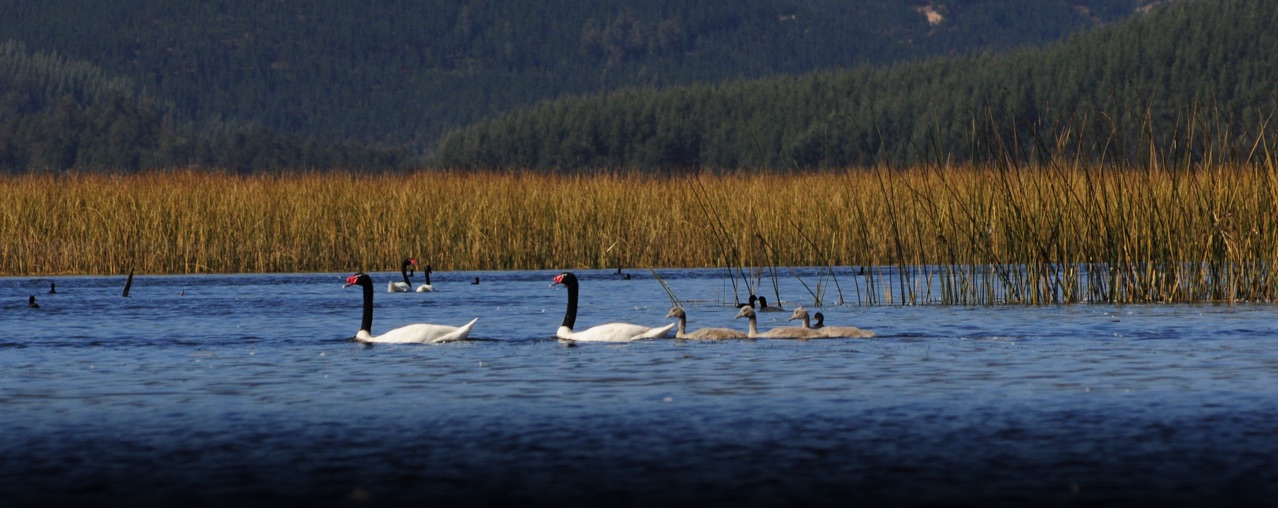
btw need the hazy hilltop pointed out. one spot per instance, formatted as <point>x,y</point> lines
<point>377,83</point>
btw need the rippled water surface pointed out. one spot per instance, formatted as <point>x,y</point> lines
<point>246,390</point>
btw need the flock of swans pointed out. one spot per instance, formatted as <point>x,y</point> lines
<point>609,332</point>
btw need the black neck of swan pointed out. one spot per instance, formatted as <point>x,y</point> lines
<point>426,272</point>
<point>366,323</point>
<point>570,316</point>
<point>403,270</point>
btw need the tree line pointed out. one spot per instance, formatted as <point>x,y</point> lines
<point>1191,80</point>
<point>58,114</point>
<point>352,79</point>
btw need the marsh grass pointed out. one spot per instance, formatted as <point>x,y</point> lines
<point>940,233</point>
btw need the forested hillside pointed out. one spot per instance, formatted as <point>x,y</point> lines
<point>1191,79</point>
<point>58,114</point>
<point>402,73</point>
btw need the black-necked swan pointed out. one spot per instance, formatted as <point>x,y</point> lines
<point>820,321</point>
<point>475,282</point>
<point>426,333</point>
<point>750,303</point>
<point>611,332</point>
<point>31,303</point>
<point>763,306</point>
<point>780,332</point>
<point>704,333</point>
<point>406,286</point>
<point>829,331</point>
<point>427,287</point>
<point>53,288</point>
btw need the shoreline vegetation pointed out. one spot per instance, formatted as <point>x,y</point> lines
<point>956,234</point>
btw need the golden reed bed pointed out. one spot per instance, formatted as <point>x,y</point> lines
<point>1151,234</point>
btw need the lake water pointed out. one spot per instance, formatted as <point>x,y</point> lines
<point>246,390</point>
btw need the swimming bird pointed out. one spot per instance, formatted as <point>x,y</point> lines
<point>475,282</point>
<point>610,332</point>
<point>820,321</point>
<point>427,287</point>
<point>425,333</point>
<point>406,286</point>
<point>53,288</point>
<point>829,331</point>
<point>763,306</point>
<point>750,304</point>
<point>780,332</point>
<point>704,333</point>
<point>31,303</point>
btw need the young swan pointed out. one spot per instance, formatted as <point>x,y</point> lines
<point>704,333</point>
<point>829,331</point>
<point>780,332</point>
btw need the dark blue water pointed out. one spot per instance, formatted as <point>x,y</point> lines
<point>245,390</point>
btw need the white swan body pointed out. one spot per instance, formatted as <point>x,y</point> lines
<point>611,332</point>
<point>704,333</point>
<point>427,287</point>
<point>419,333</point>
<point>829,331</point>
<point>402,287</point>
<point>416,333</point>
<point>780,332</point>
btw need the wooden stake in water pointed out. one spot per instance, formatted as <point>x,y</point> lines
<point>128,283</point>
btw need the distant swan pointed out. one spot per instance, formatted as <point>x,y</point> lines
<point>829,331</point>
<point>611,332</point>
<point>406,286</point>
<point>780,332</point>
<point>31,303</point>
<point>475,282</point>
<point>763,306</point>
<point>423,333</point>
<point>704,333</point>
<point>426,288</point>
<point>750,303</point>
<point>53,288</point>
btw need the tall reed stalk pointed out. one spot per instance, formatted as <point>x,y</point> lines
<point>939,233</point>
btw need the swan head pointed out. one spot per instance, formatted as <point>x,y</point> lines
<point>566,279</point>
<point>818,320</point>
<point>799,313</point>
<point>763,302</point>
<point>360,279</point>
<point>746,312</point>
<point>676,312</point>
